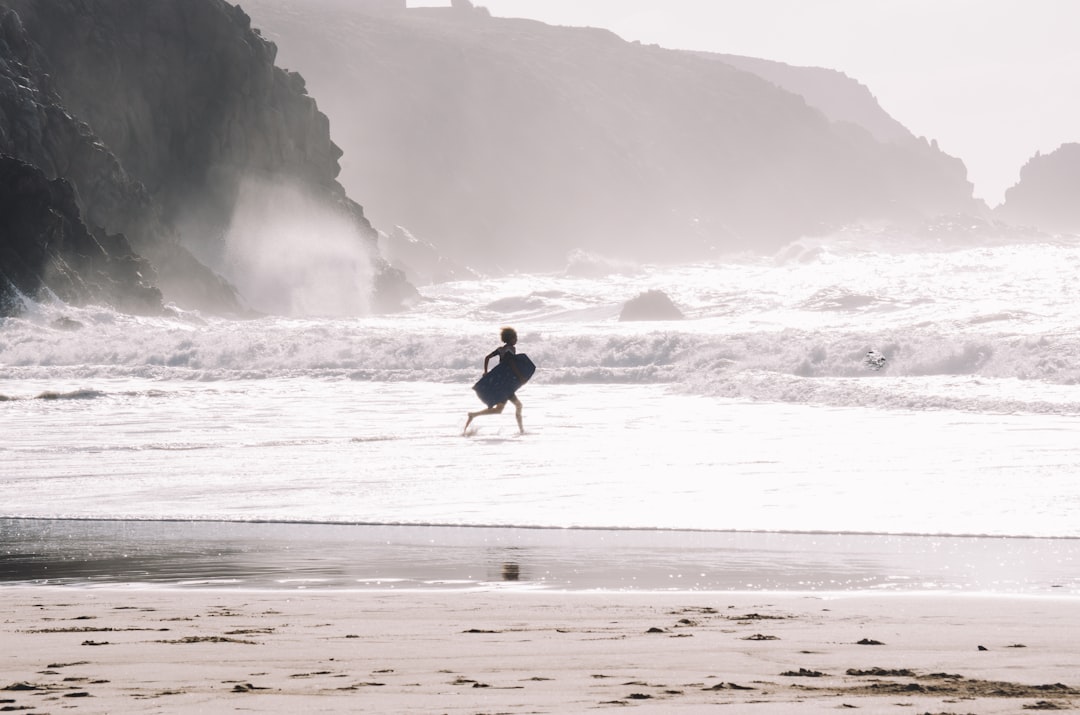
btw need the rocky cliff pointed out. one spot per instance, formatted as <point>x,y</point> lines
<point>159,114</point>
<point>509,142</point>
<point>833,93</point>
<point>39,142</point>
<point>1046,195</point>
<point>47,250</point>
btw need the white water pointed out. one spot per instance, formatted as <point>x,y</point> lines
<point>755,413</point>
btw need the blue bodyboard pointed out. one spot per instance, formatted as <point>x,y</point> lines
<point>501,382</point>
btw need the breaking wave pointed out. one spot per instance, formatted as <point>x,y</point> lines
<point>983,329</point>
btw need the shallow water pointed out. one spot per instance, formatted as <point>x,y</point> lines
<point>630,456</point>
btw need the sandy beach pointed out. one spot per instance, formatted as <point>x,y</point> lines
<point>139,650</point>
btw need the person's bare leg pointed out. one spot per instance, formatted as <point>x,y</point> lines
<point>489,411</point>
<point>517,414</point>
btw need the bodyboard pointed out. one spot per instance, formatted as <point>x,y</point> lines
<point>501,382</point>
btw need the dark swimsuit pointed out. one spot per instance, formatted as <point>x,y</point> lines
<point>506,356</point>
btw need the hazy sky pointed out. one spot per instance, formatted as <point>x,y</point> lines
<point>993,81</point>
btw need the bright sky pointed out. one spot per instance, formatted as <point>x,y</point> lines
<point>993,81</point>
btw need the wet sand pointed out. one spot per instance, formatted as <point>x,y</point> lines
<point>357,557</point>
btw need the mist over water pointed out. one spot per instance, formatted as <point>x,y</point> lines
<point>289,253</point>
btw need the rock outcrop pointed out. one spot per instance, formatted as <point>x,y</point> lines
<point>509,142</point>
<point>47,251</point>
<point>650,305</point>
<point>37,128</point>
<point>1046,195</point>
<point>157,113</point>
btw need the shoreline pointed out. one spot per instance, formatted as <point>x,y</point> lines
<point>528,527</point>
<point>294,556</point>
<point>118,650</point>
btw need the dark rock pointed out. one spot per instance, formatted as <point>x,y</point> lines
<point>66,323</point>
<point>803,673</point>
<point>873,360</point>
<point>47,250</point>
<point>38,129</point>
<point>882,672</point>
<point>185,94</point>
<point>650,305</point>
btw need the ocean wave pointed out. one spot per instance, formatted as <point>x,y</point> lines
<point>795,327</point>
<point>785,365</point>
<point>260,349</point>
<point>73,395</point>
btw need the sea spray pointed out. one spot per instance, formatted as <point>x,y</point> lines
<point>290,252</point>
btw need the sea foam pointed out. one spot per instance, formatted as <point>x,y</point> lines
<point>990,328</point>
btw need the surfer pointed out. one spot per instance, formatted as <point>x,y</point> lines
<point>505,353</point>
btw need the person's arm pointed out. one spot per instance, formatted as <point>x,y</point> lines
<point>490,355</point>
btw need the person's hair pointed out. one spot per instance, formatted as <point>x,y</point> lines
<point>508,334</point>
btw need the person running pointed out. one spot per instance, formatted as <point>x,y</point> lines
<point>505,353</point>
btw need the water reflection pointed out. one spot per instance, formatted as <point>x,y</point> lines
<point>259,555</point>
<point>511,572</point>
